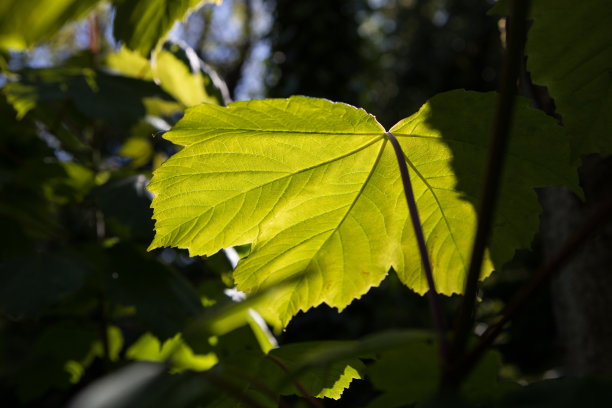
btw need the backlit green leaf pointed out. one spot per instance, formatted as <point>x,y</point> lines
<point>315,186</point>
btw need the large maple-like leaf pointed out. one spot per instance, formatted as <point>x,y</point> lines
<point>315,187</point>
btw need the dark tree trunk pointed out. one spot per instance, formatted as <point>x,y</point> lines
<point>582,292</point>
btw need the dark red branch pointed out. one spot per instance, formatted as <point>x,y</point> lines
<point>434,300</point>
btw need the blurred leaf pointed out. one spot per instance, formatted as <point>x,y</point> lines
<point>30,285</point>
<point>92,93</point>
<point>228,315</point>
<point>186,82</point>
<point>138,148</point>
<point>25,22</point>
<point>129,63</point>
<point>173,351</point>
<point>142,24</point>
<point>72,187</point>
<point>164,301</point>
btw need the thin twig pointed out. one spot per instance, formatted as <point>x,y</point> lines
<point>497,154</point>
<point>569,249</point>
<point>434,300</point>
<point>311,400</point>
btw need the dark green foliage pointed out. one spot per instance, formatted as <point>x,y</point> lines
<point>30,285</point>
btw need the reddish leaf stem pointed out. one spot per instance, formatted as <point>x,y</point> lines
<point>434,300</point>
<point>497,154</point>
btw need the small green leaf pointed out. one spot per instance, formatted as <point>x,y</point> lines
<point>174,350</point>
<point>315,187</point>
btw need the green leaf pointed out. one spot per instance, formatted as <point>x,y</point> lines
<point>412,374</point>
<point>315,186</point>
<point>93,93</point>
<point>24,22</point>
<point>141,24</point>
<point>129,63</point>
<point>178,71</point>
<point>175,76</point>
<point>182,357</point>
<point>326,381</point>
<point>568,51</point>
<point>276,370</point>
<point>71,186</point>
<point>447,143</point>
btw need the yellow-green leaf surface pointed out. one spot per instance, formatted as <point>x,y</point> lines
<point>315,187</point>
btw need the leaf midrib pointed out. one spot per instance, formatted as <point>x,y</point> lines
<point>333,230</point>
